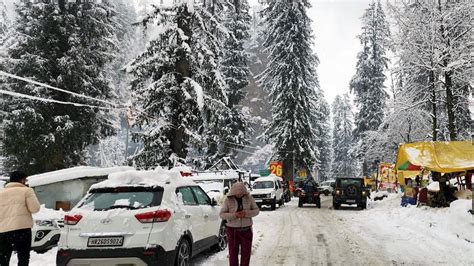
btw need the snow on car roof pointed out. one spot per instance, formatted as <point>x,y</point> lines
<point>73,173</point>
<point>157,177</point>
<point>268,178</point>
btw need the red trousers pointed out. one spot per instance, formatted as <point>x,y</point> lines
<point>239,239</point>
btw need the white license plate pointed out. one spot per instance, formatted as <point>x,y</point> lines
<point>351,201</point>
<point>258,200</point>
<point>115,241</point>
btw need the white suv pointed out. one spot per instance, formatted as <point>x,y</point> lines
<point>268,191</point>
<point>141,218</point>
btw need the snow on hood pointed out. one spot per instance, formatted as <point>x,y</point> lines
<point>48,214</point>
<point>238,188</point>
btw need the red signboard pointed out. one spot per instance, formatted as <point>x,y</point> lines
<point>276,168</point>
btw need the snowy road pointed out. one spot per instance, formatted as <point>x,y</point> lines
<point>304,236</point>
<point>385,234</point>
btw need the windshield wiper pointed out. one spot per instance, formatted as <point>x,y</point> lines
<point>120,207</point>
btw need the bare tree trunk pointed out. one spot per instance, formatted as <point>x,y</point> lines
<point>433,106</point>
<point>448,81</point>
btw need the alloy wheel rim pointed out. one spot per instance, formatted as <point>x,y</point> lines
<point>183,255</point>
<point>222,238</point>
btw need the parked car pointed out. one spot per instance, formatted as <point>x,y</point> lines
<point>141,218</point>
<point>309,194</point>
<point>349,191</point>
<point>326,187</point>
<point>216,185</point>
<point>45,234</point>
<point>268,191</point>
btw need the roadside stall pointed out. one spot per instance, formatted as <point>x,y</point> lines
<point>442,160</point>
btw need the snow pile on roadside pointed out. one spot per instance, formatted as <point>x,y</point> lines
<point>431,230</point>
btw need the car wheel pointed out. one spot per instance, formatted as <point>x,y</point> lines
<point>273,205</point>
<point>318,203</point>
<point>336,205</point>
<point>363,205</point>
<point>281,202</point>
<point>300,202</point>
<point>221,239</point>
<point>183,254</point>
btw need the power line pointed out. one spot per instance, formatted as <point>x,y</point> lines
<point>16,94</point>
<point>55,88</point>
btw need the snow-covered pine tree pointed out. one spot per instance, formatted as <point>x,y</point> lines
<point>342,139</point>
<point>209,39</point>
<point>368,82</point>
<point>236,73</point>
<point>323,131</point>
<point>291,80</point>
<point>65,45</point>
<point>179,90</point>
<point>3,19</point>
<point>110,151</point>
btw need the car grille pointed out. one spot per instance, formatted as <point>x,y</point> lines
<point>259,196</point>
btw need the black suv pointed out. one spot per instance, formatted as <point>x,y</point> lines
<point>349,191</point>
<point>309,194</point>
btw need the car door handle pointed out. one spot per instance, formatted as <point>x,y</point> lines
<point>187,216</point>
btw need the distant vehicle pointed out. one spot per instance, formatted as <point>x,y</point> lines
<point>216,185</point>
<point>349,191</point>
<point>309,194</point>
<point>326,187</point>
<point>268,190</point>
<point>141,218</point>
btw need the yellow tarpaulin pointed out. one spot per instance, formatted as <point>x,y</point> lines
<point>444,157</point>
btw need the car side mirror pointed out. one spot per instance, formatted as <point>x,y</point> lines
<point>226,190</point>
<point>213,202</point>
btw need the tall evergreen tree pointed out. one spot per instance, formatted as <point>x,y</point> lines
<point>178,88</point>
<point>3,19</point>
<point>323,131</point>
<point>342,139</point>
<point>236,74</point>
<point>291,80</point>
<point>66,45</point>
<point>368,82</point>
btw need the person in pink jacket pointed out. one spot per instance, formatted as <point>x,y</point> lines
<point>238,209</point>
<point>17,203</point>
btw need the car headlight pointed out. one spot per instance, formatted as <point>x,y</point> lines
<point>270,195</point>
<point>41,234</point>
<point>45,223</point>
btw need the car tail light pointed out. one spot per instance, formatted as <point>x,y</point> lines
<point>72,219</point>
<point>156,216</point>
<point>63,253</point>
<point>338,192</point>
<point>149,252</point>
<point>185,173</point>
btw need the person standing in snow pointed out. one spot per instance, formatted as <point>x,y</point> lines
<point>238,209</point>
<point>17,204</point>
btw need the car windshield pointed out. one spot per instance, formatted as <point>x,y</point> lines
<point>118,198</point>
<point>263,184</point>
<point>347,182</point>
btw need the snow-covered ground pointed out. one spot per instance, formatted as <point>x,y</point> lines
<point>384,234</point>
